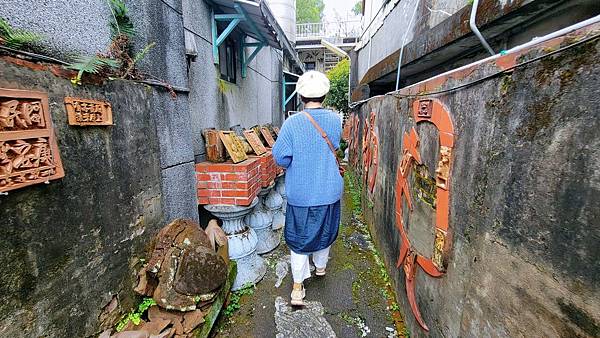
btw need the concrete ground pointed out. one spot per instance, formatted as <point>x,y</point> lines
<point>354,299</point>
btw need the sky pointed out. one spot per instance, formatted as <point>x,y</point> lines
<point>342,7</point>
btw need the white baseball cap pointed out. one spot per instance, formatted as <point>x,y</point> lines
<point>312,84</point>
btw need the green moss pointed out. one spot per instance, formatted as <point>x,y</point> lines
<point>540,118</point>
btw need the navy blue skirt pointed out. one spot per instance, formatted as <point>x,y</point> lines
<point>310,229</point>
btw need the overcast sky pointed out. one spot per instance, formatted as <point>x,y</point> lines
<point>342,7</point>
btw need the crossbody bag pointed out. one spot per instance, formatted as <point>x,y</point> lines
<point>341,169</point>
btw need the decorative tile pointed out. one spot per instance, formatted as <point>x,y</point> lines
<point>28,150</point>
<point>84,112</point>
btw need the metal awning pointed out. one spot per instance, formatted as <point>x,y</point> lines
<point>255,19</point>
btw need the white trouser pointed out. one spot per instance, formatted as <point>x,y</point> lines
<point>301,266</point>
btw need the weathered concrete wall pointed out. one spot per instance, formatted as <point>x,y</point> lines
<point>66,248</point>
<point>524,197</point>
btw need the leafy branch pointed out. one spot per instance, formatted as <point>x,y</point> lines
<point>16,38</point>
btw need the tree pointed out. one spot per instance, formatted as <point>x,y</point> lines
<point>309,11</point>
<point>338,92</point>
<point>357,9</point>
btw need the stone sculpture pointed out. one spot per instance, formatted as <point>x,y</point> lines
<point>184,269</point>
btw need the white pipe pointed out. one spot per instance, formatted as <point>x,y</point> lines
<point>476,30</point>
<point>403,43</point>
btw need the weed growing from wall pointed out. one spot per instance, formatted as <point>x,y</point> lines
<point>16,38</point>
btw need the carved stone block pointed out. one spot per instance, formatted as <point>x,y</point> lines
<point>268,137</point>
<point>255,143</point>
<point>215,150</point>
<point>234,147</point>
<point>84,112</point>
<point>425,108</point>
<point>28,150</point>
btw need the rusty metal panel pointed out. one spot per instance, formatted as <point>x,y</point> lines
<point>255,143</point>
<point>215,150</point>
<point>234,146</point>
<point>267,136</point>
<point>28,149</point>
<point>84,112</point>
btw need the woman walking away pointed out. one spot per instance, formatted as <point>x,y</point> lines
<point>306,148</point>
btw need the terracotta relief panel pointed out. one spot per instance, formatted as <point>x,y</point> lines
<point>370,152</point>
<point>234,146</point>
<point>266,133</point>
<point>431,111</point>
<point>28,150</point>
<point>84,112</point>
<point>255,142</point>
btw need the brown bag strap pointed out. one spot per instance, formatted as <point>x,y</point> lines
<point>322,132</point>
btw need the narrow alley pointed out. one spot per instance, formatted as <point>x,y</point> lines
<point>299,168</point>
<point>354,299</point>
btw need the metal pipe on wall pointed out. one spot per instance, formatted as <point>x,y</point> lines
<point>403,43</point>
<point>475,30</point>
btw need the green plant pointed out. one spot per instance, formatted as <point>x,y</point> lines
<point>16,38</point>
<point>93,65</point>
<point>121,23</point>
<point>309,11</point>
<point>233,303</point>
<point>357,9</point>
<point>135,316</point>
<point>338,92</point>
<point>118,61</point>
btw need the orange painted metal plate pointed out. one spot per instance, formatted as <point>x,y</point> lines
<point>28,150</point>
<point>255,142</point>
<point>85,112</point>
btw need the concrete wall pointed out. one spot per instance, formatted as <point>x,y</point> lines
<point>68,247</point>
<point>524,186</point>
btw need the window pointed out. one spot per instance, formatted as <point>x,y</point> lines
<point>227,60</point>
<point>309,65</point>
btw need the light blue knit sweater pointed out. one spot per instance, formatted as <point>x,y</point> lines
<point>312,177</point>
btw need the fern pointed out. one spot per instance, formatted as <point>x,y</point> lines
<point>142,53</point>
<point>122,23</point>
<point>16,38</point>
<point>91,64</point>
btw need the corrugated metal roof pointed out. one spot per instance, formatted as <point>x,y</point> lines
<point>266,25</point>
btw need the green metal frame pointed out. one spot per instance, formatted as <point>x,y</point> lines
<point>234,20</point>
<point>284,98</point>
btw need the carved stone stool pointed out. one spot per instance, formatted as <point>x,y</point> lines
<point>261,220</point>
<point>280,187</point>
<point>274,203</point>
<point>242,242</point>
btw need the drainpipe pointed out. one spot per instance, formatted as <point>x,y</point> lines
<point>476,30</point>
<point>403,43</point>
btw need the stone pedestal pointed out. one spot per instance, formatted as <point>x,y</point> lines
<point>280,187</point>
<point>261,220</point>
<point>274,203</point>
<point>242,242</point>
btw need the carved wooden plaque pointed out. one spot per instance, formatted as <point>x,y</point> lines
<point>84,112</point>
<point>234,146</point>
<point>255,143</point>
<point>276,130</point>
<point>266,133</point>
<point>28,150</point>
